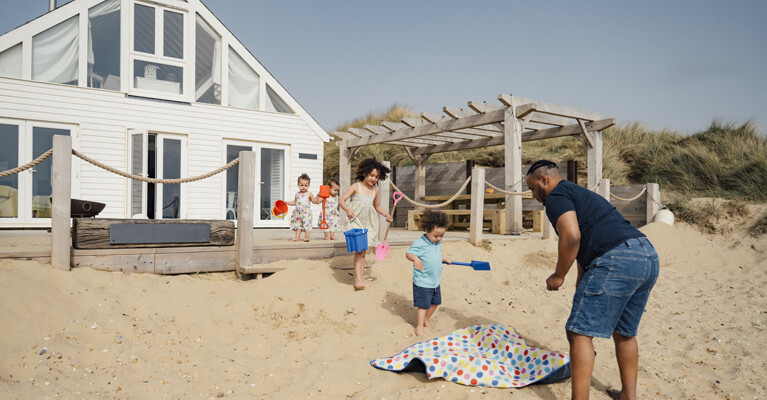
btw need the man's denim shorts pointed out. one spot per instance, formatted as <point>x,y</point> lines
<point>425,297</point>
<point>613,293</point>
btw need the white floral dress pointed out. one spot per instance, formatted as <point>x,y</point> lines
<point>364,212</point>
<point>301,219</point>
<point>332,217</point>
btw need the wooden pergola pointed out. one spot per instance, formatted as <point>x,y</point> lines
<point>516,120</point>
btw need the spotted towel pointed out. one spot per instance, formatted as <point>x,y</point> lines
<point>481,355</point>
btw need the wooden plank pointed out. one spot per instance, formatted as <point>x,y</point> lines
<point>569,130</point>
<point>61,185</point>
<point>594,160</point>
<point>190,262</point>
<point>550,119</point>
<point>653,200</point>
<point>525,109</point>
<point>513,170</point>
<point>456,113</point>
<point>132,263</point>
<point>477,205</point>
<point>93,233</point>
<point>246,187</point>
<point>482,107</point>
<point>342,135</point>
<point>585,133</point>
<point>549,108</point>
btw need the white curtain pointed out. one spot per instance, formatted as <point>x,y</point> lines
<point>208,61</point>
<point>243,82</point>
<point>102,9</point>
<point>10,62</point>
<point>54,53</point>
<point>275,102</point>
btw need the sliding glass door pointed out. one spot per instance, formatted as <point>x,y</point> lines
<point>163,156</point>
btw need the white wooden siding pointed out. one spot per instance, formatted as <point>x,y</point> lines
<point>104,117</point>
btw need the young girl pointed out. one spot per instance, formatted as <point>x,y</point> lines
<point>332,218</point>
<point>426,255</point>
<point>362,210</point>
<point>301,219</point>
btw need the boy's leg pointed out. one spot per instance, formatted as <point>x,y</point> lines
<point>581,363</point>
<point>429,313</point>
<point>421,319</point>
<point>627,353</point>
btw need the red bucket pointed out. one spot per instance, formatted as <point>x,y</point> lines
<point>280,209</point>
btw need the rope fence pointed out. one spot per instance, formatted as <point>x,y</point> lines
<point>440,205</point>
<point>644,190</point>
<point>28,165</point>
<point>506,192</point>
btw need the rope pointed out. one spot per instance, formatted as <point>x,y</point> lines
<point>644,189</point>
<point>509,193</point>
<point>440,205</point>
<point>153,180</point>
<point>28,165</point>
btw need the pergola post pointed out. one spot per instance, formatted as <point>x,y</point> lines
<point>61,195</point>
<point>344,166</point>
<point>653,200</point>
<point>512,141</point>
<point>477,206</point>
<point>420,178</point>
<point>604,189</point>
<point>384,191</point>
<point>594,154</point>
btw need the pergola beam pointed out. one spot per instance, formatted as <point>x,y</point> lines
<point>482,107</point>
<point>548,108</point>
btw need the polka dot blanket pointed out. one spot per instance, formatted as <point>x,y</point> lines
<point>481,355</point>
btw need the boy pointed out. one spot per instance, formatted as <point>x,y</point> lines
<point>426,255</point>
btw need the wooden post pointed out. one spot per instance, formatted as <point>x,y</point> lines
<point>469,168</point>
<point>594,155</point>
<point>384,190</point>
<point>344,166</point>
<point>246,188</point>
<point>653,200</point>
<point>420,179</point>
<point>604,189</point>
<point>512,141</point>
<point>61,196</point>
<point>572,171</point>
<point>477,206</point>
<point>547,228</point>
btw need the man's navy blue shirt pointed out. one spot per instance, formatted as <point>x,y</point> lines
<point>602,226</point>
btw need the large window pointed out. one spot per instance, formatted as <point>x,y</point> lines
<point>104,45</point>
<point>207,64</point>
<point>54,53</point>
<point>10,62</point>
<point>158,50</point>
<point>243,82</point>
<point>275,102</point>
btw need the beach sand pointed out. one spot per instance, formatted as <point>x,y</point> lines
<point>305,333</point>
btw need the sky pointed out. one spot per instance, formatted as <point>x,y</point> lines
<point>666,64</point>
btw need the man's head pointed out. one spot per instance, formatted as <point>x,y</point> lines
<point>542,177</point>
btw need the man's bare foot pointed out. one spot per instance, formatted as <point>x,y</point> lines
<point>428,325</point>
<point>419,331</point>
<point>294,240</point>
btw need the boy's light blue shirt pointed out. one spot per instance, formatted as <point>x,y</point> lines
<point>430,254</point>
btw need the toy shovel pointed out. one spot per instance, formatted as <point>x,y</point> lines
<point>383,249</point>
<point>477,265</point>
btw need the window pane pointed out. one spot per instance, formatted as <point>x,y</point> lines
<point>232,179</point>
<point>275,102</point>
<point>272,175</point>
<point>173,35</point>
<point>243,82</point>
<point>158,77</point>
<point>54,53</point>
<point>9,158</point>
<point>171,169</point>
<point>104,45</point>
<point>10,62</point>
<point>143,29</point>
<point>42,141</point>
<point>207,64</point>
<point>137,168</point>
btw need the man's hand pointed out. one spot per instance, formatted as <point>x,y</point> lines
<point>553,282</point>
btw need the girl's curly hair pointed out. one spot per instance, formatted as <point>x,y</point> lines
<point>304,177</point>
<point>433,219</point>
<point>366,166</point>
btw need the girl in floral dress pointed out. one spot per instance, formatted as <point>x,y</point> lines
<point>301,218</point>
<point>332,218</point>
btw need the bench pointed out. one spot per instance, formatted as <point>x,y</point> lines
<point>493,219</point>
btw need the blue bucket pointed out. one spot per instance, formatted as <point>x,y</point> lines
<point>356,239</point>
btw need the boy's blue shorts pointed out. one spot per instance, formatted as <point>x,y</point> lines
<point>425,297</point>
<point>613,292</point>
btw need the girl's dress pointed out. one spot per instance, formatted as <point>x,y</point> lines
<point>364,211</point>
<point>332,217</point>
<point>302,214</point>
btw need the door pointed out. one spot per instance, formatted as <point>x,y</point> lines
<point>162,156</point>
<point>139,145</point>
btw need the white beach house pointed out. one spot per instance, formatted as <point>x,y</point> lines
<point>159,88</point>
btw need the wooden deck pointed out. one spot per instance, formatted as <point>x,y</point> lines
<point>269,245</point>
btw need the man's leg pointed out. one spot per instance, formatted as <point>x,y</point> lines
<point>627,353</point>
<point>581,364</point>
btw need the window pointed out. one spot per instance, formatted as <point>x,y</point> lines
<point>243,82</point>
<point>207,64</point>
<point>157,59</point>
<point>275,103</point>
<point>54,53</point>
<point>104,45</point>
<point>10,62</point>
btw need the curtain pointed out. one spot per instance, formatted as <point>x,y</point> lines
<point>207,64</point>
<point>54,53</point>
<point>10,62</point>
<point>275,103</point>
<point>104,45</point>
<point>243,82</point>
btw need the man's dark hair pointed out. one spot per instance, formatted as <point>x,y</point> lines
<point>332,181</point>
<point>366,166</point>
<point>433,219</point>
<point>541,164</point>
<point>304,177</point>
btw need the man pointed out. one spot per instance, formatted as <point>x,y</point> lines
<point>617,268</point>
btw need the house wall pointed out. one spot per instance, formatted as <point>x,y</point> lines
<point>104,117</point>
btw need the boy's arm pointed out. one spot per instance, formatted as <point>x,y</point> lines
<point>446,260</point>
<point>417,263</point>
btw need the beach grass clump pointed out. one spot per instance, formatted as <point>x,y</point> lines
<point>760,227</point>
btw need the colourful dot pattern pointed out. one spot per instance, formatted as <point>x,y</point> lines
<point>480,355</point>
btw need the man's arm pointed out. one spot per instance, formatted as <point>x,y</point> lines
<point>569,243</point>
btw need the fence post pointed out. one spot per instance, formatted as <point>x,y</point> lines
<point>384,190</point>
<point>61,197</point>
<point>477,206</point>
<point>604,189</point>
<point>246,187</point>
<point>653,200</point>
<point>547,228</point>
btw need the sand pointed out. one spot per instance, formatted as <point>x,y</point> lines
<point>305,333</point>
